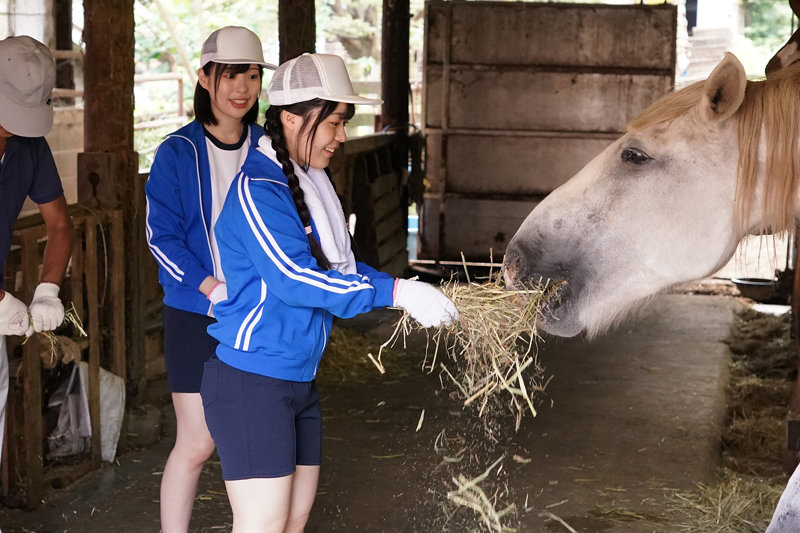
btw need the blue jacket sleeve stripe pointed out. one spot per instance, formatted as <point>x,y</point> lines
<point>246,329</point>
<point>283,256</point>
<point>171,268</point>
<point>280,259</point>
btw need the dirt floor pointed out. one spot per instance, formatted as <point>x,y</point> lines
<point>627,427</point>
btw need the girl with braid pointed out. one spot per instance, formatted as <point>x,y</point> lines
<point>285,250</point>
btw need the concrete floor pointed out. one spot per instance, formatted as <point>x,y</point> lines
<point>633,413</point>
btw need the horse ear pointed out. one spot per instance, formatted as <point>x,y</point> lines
<point>723,91</point>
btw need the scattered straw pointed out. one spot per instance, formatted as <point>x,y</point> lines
<point>491,348</point>
<point>470,494</point>
<point>733,503</point>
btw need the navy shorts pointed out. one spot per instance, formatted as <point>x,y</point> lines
<point>262,426</point>
<point>187,346</point>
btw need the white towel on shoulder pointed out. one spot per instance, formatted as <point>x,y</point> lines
<point>325,209</point>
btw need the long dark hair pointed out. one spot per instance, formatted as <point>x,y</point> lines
<point>274,130</point>
<point>202,98</point>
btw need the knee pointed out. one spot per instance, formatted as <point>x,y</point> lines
<point>196,451</point>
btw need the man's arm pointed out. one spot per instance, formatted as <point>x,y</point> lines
<point>46,309</point>
<point>58,249</point>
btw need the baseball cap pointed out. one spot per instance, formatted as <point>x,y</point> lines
<point>233,45</point>
<point>312,76</point>
<point>27,77</point>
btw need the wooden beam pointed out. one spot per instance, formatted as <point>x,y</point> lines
<point>297,28</point>
<point>108,133</point>
<point>394,64</point>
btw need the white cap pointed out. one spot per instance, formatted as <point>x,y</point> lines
<point>233,45</point>
<point>27,77</point>
<point>312,76</point>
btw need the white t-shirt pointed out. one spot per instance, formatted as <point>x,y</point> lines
<point>224,161</point>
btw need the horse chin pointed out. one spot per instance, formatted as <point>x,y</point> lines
<point>559,326</point>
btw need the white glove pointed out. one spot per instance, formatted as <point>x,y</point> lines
<point>14,317</point>
<point>47,311</point>
<point>218,293</point>
<point>425,303</point>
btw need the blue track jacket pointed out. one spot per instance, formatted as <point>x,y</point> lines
<point>178,219</point>
<point>280,304</point>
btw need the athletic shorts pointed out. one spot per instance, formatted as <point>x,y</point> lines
<point>262,426</point>
<point>187,346</point>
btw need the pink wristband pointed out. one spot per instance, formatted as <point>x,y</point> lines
<point>394,290</point>
<point>208,296</point>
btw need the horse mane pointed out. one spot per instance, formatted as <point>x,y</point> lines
<point>772,106</point>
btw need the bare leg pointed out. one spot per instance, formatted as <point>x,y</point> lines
<point>193,446</point>
<point>304,490</point>
<point>260,505</point>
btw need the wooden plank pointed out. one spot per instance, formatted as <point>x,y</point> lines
<point>94,342</point>
<point>598,35</point>
<point>508,164</point>
<point>76,268</point>
<point>31,379</point>
<point>397,265</point>
<point>528,100</point>
<point>387,227</point>
<point>394,244</point>
<point>385,184</point>
<point>118,293</point>
<point>385,207</point>
<point>474,226</point>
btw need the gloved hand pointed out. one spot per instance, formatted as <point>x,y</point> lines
<point>218,293</point>
<point>14,317</point>
<point>47,311</point>
<point>425,303</point>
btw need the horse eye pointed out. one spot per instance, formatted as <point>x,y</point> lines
<point>635,156</point>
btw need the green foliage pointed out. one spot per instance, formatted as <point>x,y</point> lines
<point>768,22</point>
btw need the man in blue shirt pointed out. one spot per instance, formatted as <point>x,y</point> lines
<point>27,169</point>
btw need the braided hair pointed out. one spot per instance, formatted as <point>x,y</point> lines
<point>273,127</point>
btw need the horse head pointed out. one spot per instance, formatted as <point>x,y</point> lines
<point>659,206</point>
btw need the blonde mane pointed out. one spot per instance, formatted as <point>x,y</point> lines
<point>771,105</point>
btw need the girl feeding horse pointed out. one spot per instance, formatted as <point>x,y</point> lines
<point>288,263</point>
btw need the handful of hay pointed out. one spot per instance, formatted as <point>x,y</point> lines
<point>492,348</point>
<point>58,348</point>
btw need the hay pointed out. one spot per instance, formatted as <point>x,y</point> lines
<point>733,503</point>
<point>491,349</point>
<point>346,355</point>
<point>470,494</point>
<point>60,349</point>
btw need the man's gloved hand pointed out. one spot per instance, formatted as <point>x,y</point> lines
<point>47,311</point>
<point>425,303</point>
<point>218,293</point>
<point>13,316</point>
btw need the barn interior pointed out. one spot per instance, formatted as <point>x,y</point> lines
<point>510,99</point>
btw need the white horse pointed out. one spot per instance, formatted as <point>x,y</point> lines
<point>666,203</point>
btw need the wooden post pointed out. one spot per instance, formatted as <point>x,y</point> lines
<point>109,162</point>
<point>64,72</point>
<point>394,64</point>
<point>297,28</point>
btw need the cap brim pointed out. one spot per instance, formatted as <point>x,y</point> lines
<point>25,121</point>
<point>352,99</point>
<point>241,62</point>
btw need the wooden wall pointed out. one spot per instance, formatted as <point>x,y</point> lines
<point>520,96</point>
